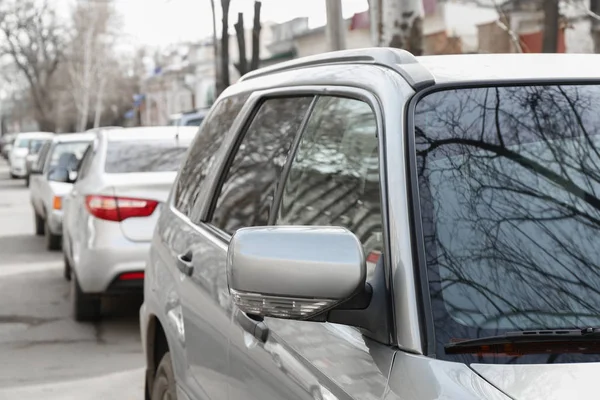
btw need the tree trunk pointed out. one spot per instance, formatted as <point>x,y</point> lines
<point>215,45</point>
<point>224,78</point>
<point>99,99</point>
<point>241,40</point>
<point>46,124</point>
<point>551,20</point>
<point>376,22</point>
<point>402,25</point>
<point>256,27</point>
<point>595,24</point>
<point>335,23</point>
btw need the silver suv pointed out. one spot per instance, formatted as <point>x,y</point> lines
<point>370,225</point>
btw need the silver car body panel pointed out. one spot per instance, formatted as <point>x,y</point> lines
<point>543,381</point>
<point>100,250</point>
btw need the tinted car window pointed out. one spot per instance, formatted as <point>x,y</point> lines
<point>201,157</point>
<point>143,156</point>
<point>194,122</point>
<point>36,145</point>
<point>67,154</point>
<point>39,164</point>
<point>509,189</point>
<point>251,181</point>
<point>334,177</point>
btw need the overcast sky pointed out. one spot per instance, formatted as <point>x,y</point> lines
<point>160,22</point>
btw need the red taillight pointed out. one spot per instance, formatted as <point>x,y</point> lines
<point>131,276</point>
<point>117,209</point>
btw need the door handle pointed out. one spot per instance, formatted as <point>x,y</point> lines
<point>184,263</point>
<point>255,327</point>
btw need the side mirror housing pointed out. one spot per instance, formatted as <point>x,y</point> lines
<point>294,272</point>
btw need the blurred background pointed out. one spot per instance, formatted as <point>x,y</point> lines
<point>71,65</point>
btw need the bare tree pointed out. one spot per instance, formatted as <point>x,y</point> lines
<point>34,41</point>
<point>398,23</point>
<point>215,45</point>
<point>243,65</point>
<point>90,57</point>
<point>241,40</point>
<point>256,27</point>
<point>594,12</point>
<point>223,81</point>
<point>551,22</point>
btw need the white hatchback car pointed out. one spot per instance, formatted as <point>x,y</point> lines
<point>124,178</point>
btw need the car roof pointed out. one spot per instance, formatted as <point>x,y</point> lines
<point>74,137</point>
<point>151,133</point>
<point>511,67</point>
<point>426,71</point>
<point>35,135</point>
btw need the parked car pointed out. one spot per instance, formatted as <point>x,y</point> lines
<point>7,144</point>
<point>124,179</point>
<point>35,146</point>
<point>191,118</point>
<point>49,183</point>
<point>20,150</point>
<point>403,227</point>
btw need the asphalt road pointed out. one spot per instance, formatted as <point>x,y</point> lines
<point>44,353</point>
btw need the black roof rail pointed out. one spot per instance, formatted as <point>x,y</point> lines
<point>400,61</point>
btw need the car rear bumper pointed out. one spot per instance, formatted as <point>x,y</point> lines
<point>99,269</point>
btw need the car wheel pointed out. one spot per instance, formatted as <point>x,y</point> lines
<point>164,380</point>
<point>27,181</point>
<point>85,307</point>
<point>67,268</point>
<point>39,224</point>
<point>53,241</point>
<point>13,176</point>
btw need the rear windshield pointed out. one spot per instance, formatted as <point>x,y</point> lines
<point>194,122</point>
<point>144,156</point>
<point>22,143</point>
<point>68,154</point>
<point>36,145</point>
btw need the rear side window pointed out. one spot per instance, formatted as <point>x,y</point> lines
<point>194,122</point>
<point>143,156</point>
<point>251,181</point>
<point>201,156</point>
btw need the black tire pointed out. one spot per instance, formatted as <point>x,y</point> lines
<point>39,224</point>
<point>85,307</point>
<point>53,242</point>
<point>13,176</point>
<point>164,380</point>
<point>67,268</point>
<point>27,181</point>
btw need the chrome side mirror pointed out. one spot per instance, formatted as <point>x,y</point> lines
<point>294,272</point>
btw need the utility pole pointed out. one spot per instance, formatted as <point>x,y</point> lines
<point>336,32</point>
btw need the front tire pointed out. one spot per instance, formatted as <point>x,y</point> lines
<point>39,224</point>
<point>67,268</point>
<point>85,307</point>
<point>53,242</point>
<point>27,181</point>
<point>164,381</point>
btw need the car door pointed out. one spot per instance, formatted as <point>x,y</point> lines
<point>332,179</point>
<point>188,289</point>
<point>74,205</point>
<point>37,178</point>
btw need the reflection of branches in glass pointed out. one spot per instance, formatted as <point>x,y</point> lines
<point>334,178</point>
<point>249,189</point>
<point>509,183</point>
<point>143,156</point>
<point>201,158</point>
